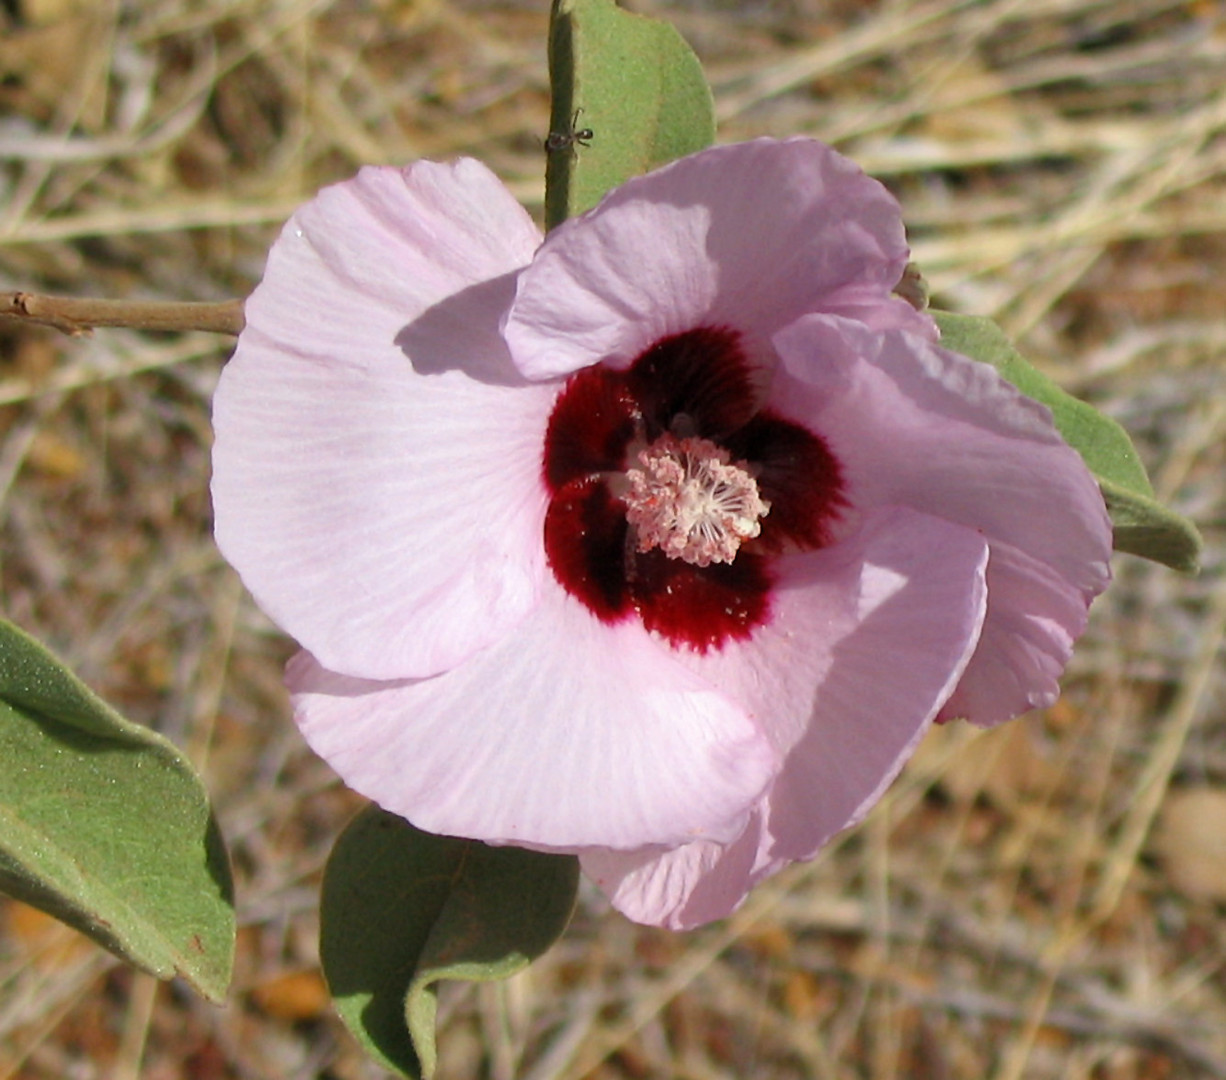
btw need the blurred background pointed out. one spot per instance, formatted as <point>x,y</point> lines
<point>1043,901</point>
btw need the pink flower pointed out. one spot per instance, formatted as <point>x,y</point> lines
<point>661,541</point>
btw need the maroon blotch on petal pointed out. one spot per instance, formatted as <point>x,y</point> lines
<point>586,545</point>
<point>701,607</point>
<point>798,475</point>
<point>592,550</point>
<point>702,373</point>
<point>593,420</point>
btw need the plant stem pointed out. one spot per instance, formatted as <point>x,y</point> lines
<point>79,316</point>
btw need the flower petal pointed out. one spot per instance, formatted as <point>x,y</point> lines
<point>377,462</point>
<point>585,543</point>
<point>747,237</point>
<point>701,373</point>
<point>570,733</point>
<point>915,425</point>
<point>590,428</point>
<point>680,889</point>
<point>701,607</point>
<point>863,304</point>
<point>1034,616</point>
<point>869,639</point>
<point>798,476</point>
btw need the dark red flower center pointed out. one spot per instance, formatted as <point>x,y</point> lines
<point>672,493</point>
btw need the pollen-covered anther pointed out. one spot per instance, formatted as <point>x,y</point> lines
<point>691,501</point>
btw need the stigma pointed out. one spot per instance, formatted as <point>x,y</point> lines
<point>692,501</point>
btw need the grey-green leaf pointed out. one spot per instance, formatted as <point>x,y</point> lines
<point>1142,526</point>
<point>403,909</point>
<point>1145,527</point>
<point>634,83</point>
<point>105,825</point>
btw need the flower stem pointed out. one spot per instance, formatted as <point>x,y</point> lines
<point>79,316</point>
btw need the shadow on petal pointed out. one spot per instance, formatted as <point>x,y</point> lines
<point>463,333</point>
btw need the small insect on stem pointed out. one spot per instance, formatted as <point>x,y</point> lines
<point>567,140</point>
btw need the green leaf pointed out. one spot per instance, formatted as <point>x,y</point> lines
<point>635,84</point>
<point>105,826</point>
<point>1142,526</point>
<point>403,909</point>
<point>1147,528</point>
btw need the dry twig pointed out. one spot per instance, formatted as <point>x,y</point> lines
<point>75,317</point>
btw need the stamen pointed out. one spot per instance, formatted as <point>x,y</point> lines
<point>690,501</point>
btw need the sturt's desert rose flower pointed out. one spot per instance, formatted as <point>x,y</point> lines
<point>662,540</point>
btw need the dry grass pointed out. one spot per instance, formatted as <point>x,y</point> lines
<point>1025,904</point>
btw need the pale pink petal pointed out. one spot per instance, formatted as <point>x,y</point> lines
<point>681,888</point>
<point>567,734</point>
<point>869,639</point>
<point>377,462</point>
<point>749,236</point>
<point>863,304</point>
<point>1034,616</point>
<point>916,425</point>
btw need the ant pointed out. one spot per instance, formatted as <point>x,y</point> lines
<point>566,140</point>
